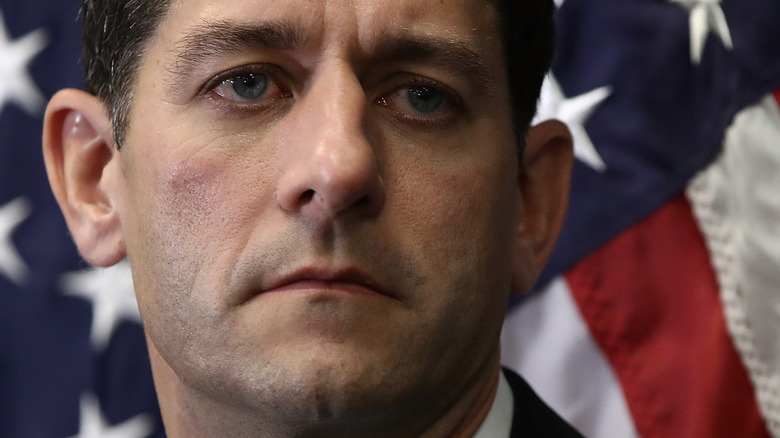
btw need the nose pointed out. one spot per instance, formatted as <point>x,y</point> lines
<point>331,167</point>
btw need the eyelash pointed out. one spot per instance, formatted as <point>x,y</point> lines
<point>452,99</point>
<point>273,73</point>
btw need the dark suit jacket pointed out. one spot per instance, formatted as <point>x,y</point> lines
<point>532,417</point>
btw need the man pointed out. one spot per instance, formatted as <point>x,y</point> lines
<point>323,203</point>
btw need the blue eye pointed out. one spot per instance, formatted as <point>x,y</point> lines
<point>244,87</point>
<point>424,99</point>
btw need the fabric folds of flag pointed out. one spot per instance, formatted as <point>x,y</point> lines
<point>659,313</point>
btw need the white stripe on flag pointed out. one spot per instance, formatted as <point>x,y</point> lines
<point>546,340</point>
<point>737,204</point>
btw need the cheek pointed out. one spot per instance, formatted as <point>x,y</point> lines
<point>193,216</point>
<point>459,226</point>
<point>190,199</point>
<point>201,194</point>
<point>463,221</point>
<point>167,252</point>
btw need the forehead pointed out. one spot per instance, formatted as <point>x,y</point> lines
<point>352,25</point>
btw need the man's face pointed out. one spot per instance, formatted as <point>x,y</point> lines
<point>320,199</point>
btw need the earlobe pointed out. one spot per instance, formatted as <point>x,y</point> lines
<point>544,183</point>
<point>81,158</point>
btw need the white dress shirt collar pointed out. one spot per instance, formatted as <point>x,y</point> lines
<point>498,423</point>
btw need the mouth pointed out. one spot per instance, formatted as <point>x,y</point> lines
<point>312,280</point>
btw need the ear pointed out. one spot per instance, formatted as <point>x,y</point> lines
<point>81,163</point>
<point>544,183</point>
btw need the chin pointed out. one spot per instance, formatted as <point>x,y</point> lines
<point>332,388</point>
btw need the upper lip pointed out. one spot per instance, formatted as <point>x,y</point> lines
<point>342,275</point>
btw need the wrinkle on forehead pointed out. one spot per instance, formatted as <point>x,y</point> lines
<point>222,37</point>
<point>460,35</point>
<point>464,18</point>
<point>364,22</point>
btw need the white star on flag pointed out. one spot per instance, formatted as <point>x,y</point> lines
<point>553,104</point>
<point>93,425</point>
<point>112,295</point>
<point>16,84</point>
<point>705,16</point>
<point>11,263</point>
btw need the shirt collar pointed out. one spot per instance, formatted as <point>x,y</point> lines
<point>498,423</point>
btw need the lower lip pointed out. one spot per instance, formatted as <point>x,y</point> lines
<point>327,288</point>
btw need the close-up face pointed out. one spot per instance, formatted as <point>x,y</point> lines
<point>320,199</point>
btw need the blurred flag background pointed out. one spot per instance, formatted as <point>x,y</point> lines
<point>73,359</point>
<point>658,316</point>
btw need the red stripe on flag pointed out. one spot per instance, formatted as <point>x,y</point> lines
<point>777,96</point>
<point>651,300</point>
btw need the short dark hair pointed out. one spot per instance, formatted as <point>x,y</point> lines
<point>113,39</point>
<point>115,33</point>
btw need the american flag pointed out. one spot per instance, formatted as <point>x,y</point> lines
<point>73,360</point>
<point>658,316</point>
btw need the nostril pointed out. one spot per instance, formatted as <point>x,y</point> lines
<point>363,202</point>
<point>310,196</point>
<point>307,196</point>
<point>335,176</point>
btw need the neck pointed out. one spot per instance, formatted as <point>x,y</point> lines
<point>187,413</point>
<point>467,415</point>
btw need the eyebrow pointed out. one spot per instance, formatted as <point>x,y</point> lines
<point>223,38</point>
<point>227,37</point>
<point>453,55</point>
